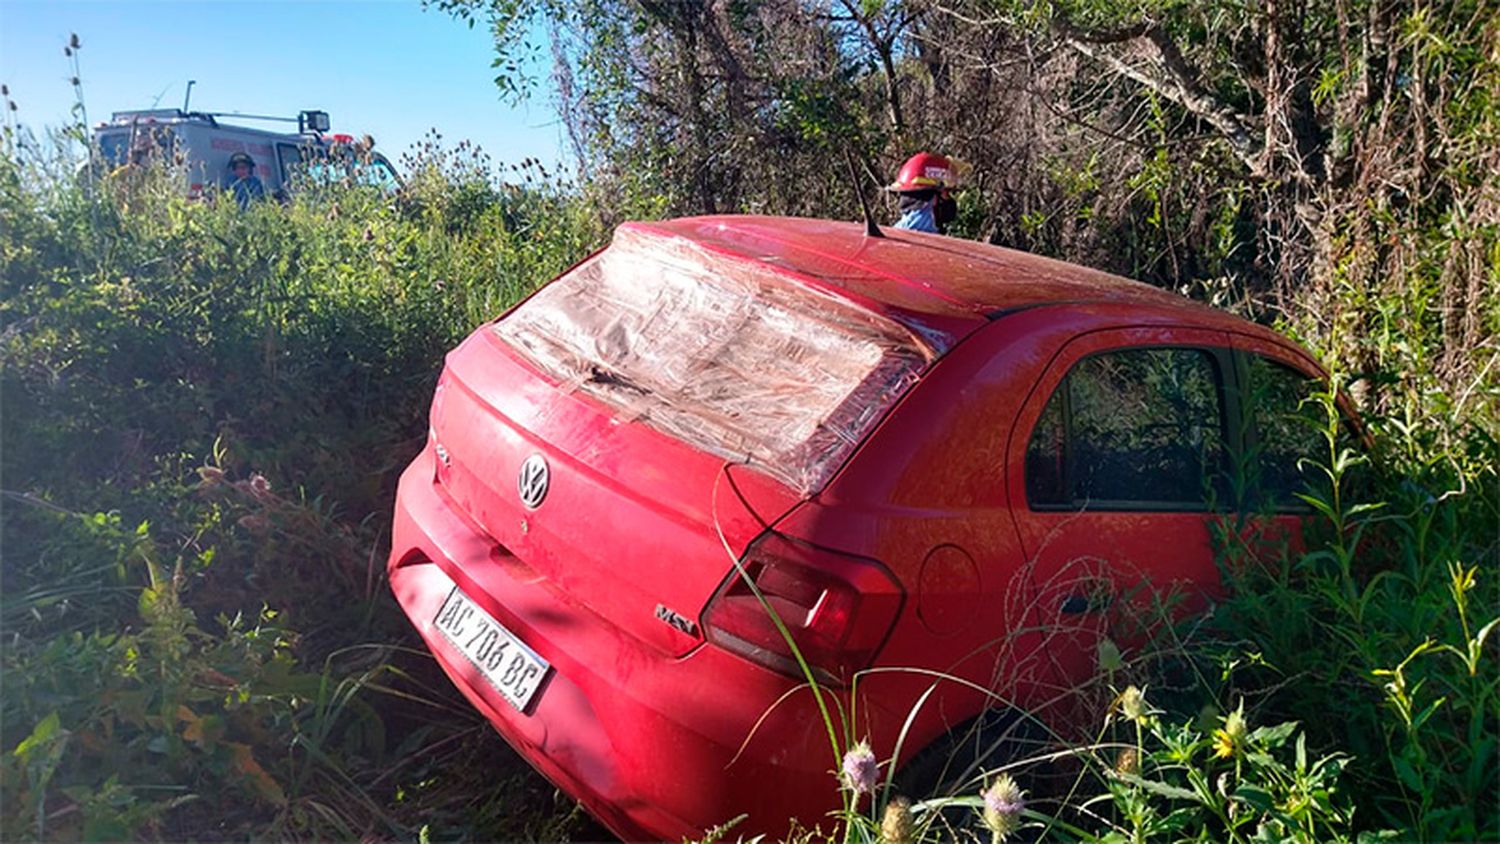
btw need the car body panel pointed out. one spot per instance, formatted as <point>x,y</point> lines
<point>598,726</point>
<point>491,412</point>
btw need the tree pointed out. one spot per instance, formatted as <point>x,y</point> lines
<point>1335,161</point>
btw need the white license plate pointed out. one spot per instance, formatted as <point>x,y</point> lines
<point>511,667</point>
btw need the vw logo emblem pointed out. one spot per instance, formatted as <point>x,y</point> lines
<point>533,481</point>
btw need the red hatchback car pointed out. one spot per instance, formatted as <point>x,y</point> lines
<point>924,454</point>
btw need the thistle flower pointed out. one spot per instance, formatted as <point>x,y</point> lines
<point>73,40</point>
<point>897,825</point>
<point>1003,802</point>
<point>1229,740</point>
<point>1132,703</point>
<point>860,769</point>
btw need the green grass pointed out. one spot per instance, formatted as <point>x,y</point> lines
<point>202,415</point>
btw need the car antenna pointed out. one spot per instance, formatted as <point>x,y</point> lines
<point>871,229</point>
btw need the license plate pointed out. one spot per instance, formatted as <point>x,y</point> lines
<point>511,667</point>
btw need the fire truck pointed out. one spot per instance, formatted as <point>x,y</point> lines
<point>201,143</point>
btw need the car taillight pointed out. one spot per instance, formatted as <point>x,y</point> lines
<point>838,608</point>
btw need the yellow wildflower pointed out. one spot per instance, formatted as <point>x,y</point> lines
<point>1229,740</point>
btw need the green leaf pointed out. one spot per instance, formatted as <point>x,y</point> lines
<point>41,735</point>
<point>1476,645</point>
<point>1407,774</point>
<point>1110,659</point>
<point>1255,797</point>
<point>1274,736</point>
<point>1316,503</point>
<point>1427,712</point>
<point>1262,760</point>
<point>106,828</point>
<point>1160,788</point>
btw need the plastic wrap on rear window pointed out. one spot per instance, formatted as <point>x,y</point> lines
<point>730,355</point>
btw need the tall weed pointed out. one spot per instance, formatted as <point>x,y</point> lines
<point>1381,629</point>
<point>204,413</point>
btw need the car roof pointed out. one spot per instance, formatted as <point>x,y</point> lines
<point>927,282</point>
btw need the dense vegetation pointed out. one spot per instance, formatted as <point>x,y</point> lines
<point>202,411</point>
<point>1332,161</point>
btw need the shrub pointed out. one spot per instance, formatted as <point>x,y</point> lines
<point>1379,634</point>
<point>204,413</point>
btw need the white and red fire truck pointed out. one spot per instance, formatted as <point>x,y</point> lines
<point>201,143</point>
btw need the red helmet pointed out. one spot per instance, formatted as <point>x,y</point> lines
<point>924,171</point>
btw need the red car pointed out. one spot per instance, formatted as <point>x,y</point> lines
<point>931,457</point>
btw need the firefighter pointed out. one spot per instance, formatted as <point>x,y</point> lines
<point>129,178</point>
<point>925,186</point>
<point>243,182</point>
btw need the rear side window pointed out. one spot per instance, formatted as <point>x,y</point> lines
<point>1132,429</point>
<point>1286,434</point>
<point>726,354</point>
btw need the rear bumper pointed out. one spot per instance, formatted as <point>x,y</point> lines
<point>654,746</point>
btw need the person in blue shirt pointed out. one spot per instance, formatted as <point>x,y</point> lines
<point>243,182</point>
<point>923,186</point>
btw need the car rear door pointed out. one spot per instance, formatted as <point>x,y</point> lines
<point>1117,463</point>
<point>1284,442</point>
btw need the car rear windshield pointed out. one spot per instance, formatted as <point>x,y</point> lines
<point>733,356</point>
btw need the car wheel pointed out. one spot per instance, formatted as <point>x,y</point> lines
<point>959,762</point>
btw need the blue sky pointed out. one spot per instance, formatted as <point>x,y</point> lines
<point>383,67</point>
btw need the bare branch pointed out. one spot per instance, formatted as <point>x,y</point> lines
<point>1169,75</point>
<point>884,50</point>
